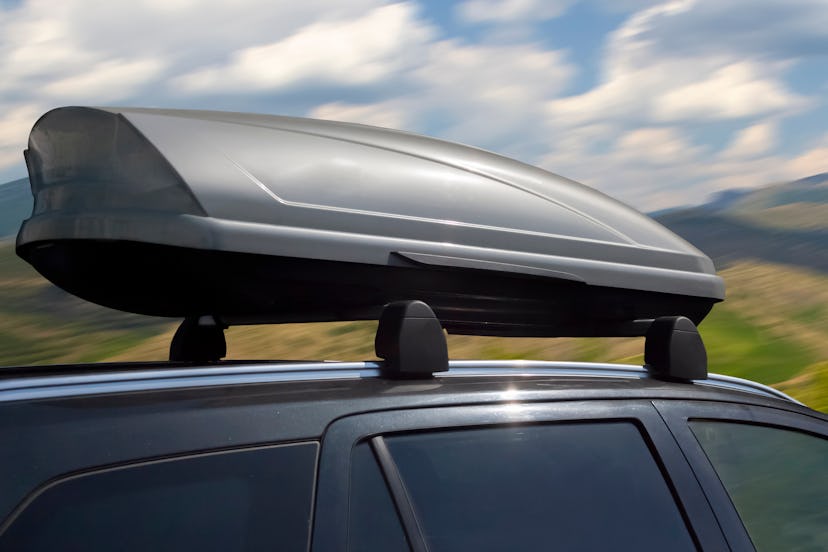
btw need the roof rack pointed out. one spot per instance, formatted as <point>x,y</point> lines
<point>411,340</point>
<point>412,343</point>
<point>674,350</point>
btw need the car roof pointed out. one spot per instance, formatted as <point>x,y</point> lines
<point>464,382</point>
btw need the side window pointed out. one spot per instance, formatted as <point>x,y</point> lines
<point>373,523</point>
<point>255,499</point>
<point>776,478</point>
<point>568,486</point>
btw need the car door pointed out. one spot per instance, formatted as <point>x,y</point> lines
<point>763,470</point>
<point>519,476</point>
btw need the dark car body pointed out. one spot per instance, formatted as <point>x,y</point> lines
<point>82,443</point>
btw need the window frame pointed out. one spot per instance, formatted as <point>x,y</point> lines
<point>677,416</point>
<point>51,484</point>
<point>330,525</point>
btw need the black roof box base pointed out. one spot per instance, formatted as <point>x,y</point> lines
<point>242,288</point>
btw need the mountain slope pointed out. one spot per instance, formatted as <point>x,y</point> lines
<point>15,206</point>
<point>727,239</point>
<point>782,223</point>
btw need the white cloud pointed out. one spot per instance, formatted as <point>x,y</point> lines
<point>505,11</point>
<point>83,52</point>
<point>734,91</point>
<point>107,80</point>
<point>752,141</point>
<point>687,78</point>
<point>770,29</point>
<point>812,161</point>
<point>669,74</point>
<point>485,95</point>
<point>655,146</point>
<point>360,51</point>
<point>382,114</point>
<point>644,81</point>
<point>15,123</point>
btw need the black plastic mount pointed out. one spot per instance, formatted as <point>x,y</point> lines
<point>674,350</point>
<point>199,339</point>
<point>411,341</point>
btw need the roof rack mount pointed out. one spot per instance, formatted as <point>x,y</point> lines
<point>412,343</point>
<point>674,350</point>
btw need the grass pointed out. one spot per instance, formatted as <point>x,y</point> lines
<point>739,347</point>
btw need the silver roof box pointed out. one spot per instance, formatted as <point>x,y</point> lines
<point>257,218</point>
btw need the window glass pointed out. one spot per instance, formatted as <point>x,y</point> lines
<point>373,523</point>
<point>243,500</point>
<point>588,486</point>
<point>777,479</point>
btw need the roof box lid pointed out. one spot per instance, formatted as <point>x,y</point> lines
<point>257,218</point>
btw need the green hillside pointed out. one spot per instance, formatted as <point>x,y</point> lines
<point>773,328</point>
<point>41,324</point>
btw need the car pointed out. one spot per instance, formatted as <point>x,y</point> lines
<point>223,219</point>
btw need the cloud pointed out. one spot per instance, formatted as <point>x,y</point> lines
<point>672,74</point>
<point>734,91</point>
<point>752,141</point>
<point>44,42</point>
<point>490,96</point>
<point>644,81</point>
<point>79,52</point>
<point>106,81</point>
<point>360,51</point>
<point>508,11</point>
<point>770,29</point>
<point>655,146</point>
<point>15,123</point>
<point>386,114</point>
<point>664,76</point>
<point>812,161</point>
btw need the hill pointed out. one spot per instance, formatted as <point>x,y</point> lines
<point>15,206</point>
<point>782,223</point>
<point>41,324</point>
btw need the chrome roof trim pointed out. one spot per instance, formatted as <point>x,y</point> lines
<point>147,380</point>
<point>590,369</point>
<point>739,384</point>
<point>458,368</point>
<point>126,380</point>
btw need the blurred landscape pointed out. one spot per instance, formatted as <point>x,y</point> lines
<point>769,244</point>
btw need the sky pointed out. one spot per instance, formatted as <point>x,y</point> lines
<point>657,103</point>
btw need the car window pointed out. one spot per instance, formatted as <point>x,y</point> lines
<point>243,500</point>
<point>373,523</point>
<point>576,486</point>
<point>776,478</point>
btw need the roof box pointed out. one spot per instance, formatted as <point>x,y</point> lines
<point>259,219</point>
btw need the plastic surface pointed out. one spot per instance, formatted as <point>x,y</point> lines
<point>198,340</point>
<point>411,340</point>
<point>400,216</point>
<point>674,350</point>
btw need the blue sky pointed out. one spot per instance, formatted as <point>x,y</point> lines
<point>658,103</point>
